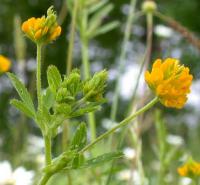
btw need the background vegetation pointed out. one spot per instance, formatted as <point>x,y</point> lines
<point>20,138</point>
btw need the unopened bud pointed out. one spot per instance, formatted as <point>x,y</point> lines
<point>149,6</point>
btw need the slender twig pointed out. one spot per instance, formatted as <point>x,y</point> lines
<point>122,60</point>
<point>147,55</point>
<point>190,37</point>
<point>121,124</point>
<point>63,13</point>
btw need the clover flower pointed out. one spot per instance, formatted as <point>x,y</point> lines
<point>190,169</point>
<point>4,64</point>
<point>170,81</point>
<point>44,29</point>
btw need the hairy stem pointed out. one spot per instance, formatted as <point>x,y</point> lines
<point>38,76</point>
<point>44,179</point>
<point>47,140</point>
<point>121,124</point>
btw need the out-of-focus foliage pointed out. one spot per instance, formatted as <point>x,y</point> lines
<point>104,53</point>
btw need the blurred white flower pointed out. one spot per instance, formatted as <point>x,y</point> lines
<point>163,31</point>
<point>175,140</point>
<point>185,181</point>
<point>40,160</point>
<point>31,65</point>
<point>129,153</point>
<point>194,96</point>
<point>108,124</point>
<point>129,80</point>
<point>132,175</point>
<point>17,177</point>
<point>35,144</point>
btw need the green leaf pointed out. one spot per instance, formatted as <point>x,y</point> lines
<point>102,159</point>
<point>44,119</point>
<point>22,91</point>
<point>80,138</point>
<point>105,28</point>
<point>54,78</point>
<point>78,161</point>
<point>63,108</point>
<point>96,6</point>
<point>48,98</point>
<point>85,110</point>
<point>96,20</point>
<point>23,108</point>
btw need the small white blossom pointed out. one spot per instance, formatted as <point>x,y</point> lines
<point>175,140</point>
<point>132,175</point>
<point>17,177</point>
<point>129,153</point>
<point>185,181</point>
<point>163,31</point>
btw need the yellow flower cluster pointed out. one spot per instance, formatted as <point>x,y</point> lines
<point>170,81</point>
<point>44,29</point>
<point>190,169</point>
<point>4,64</point>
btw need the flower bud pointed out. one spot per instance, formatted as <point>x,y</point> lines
<point>149,6</point>
<point>62,108</point>
<point>73,82</point>
<point>63,95</point>
<point>93,88</point>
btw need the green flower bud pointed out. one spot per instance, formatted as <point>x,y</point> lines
<point>62,108</point>
<point>149,6</point>
<point>73,82</point>
<point>93,88</point>
<point>63,95</point>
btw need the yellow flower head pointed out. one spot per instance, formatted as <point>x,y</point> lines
<point>4,64</point>
<point>170,81</point>
<point>44,29</point>
<point>190,169</point>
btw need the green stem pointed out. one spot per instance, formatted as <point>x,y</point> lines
<point>149,18</point>
<point>38,76</point>
<point>122,58</point>
<point>161,138</point>
<point>121,124</point>
<point>85,58</point>
<point>69,66</point>
<point>47,140</point>
<point>44,179</point>
<point>146,58</point>
<point>72,36</point>
<point>86,69</point>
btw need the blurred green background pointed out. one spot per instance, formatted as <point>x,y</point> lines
<point>104,53</point>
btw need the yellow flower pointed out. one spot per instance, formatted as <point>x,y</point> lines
<point>4,64</point>
<point>44,29</point>
<point>170,81</point>
<point>190,169</point>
